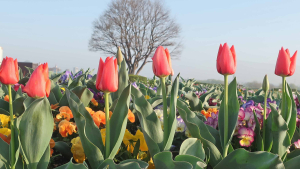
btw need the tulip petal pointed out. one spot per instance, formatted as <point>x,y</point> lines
<point>99,73</point>
<point>9,74</point>
<point>39,84</point>
<point>109,76</point>
<point>161,63</point>
<point>226,64</point>
<point>283,63</point>
<point>293,64</point>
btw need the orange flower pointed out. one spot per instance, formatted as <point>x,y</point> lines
<point>66,128</point>
<point>99,117</point>
<point>6,98</point>
<point>52,145</point>
<point>131,116</point>
<point>95,103</point>
<point>206,113</point>
<point>5,138</point>
<point>54,106</point>
<point>65,113</point>
<point>213,110</point>
<point>91,111</point>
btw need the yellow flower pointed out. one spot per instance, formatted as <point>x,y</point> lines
<point>187,133</point>
<point>147,97</point>
<point>103,135</point>
<point>4,119</point>
<point>77,150</point>
<point>141,156</point>
<point>5,131</point>
<point>143,144</point>
<point>151,164</point>
<point>63,89</point>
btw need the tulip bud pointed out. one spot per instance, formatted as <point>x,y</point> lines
<point>286,65</point>
<point>226,60</point>
<point>39,84</point>
<point>161,65</point>
<point>265,85</point>
<point>9,72</point>
<point>107,76</point>
<point>119,56</point>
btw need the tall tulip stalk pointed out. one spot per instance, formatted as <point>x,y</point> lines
<point>162,68</point>
<point>265,88</point>
<point>226,65</point>
<point>285,67</point>
<point>107,82</point>
<point>9,75</point>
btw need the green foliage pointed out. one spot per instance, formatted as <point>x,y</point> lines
<point>138,78</point>
<point>240,158</point>
<point>233,110</point>
<point>36,127</point>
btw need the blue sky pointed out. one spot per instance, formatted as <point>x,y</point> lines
<point>58,32</point>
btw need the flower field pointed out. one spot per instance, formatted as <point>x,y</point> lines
<point>104,120</point>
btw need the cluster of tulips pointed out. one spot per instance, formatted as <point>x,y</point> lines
<point>29,145</point>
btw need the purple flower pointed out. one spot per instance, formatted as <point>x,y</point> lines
<point>89,76</point>
<point>135,85</point>
<point>213,120</point>
<point>248,104</point>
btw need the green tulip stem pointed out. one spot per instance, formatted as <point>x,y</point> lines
<point>265,118</point>
<point>165,110</point>
<point>226,144</point>
<point>107,138</point>
<point>283,94</point>
<point>12,141</point>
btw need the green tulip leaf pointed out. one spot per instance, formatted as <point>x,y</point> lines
<point>172,122</point>
<point>258,139</point>
<point>126,164</point>
<point>281,140</point>
<point>36,127</point>
<point>64,149</point>
<point>195,161</point>
<point>287,112</point>
<point>293,120</point>
<point>240,158</point>
<point>123,81</point>
<point>89,133</point>
<point>194,124</point>
<point>118,122</point>
<point>193,147</point>
<point>194,101</point>
<point>43,163</point>
<point>149,122</point>
<point>71,165</point>
<point>293,154</point>
<point>292,163</point>
<point>233,111</point>
<point>4,154</point>
<point>18,106</point>
<point>164,160</point>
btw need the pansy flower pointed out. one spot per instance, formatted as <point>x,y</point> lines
<point>247,136</point>
<point>66,128</point>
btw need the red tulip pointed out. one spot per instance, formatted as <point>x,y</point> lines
<point>16,86</point>
<point>162,65</point>
<point>285,65</point>
<point>226,60</point>
<point>107,76</point>
<point>9,72</point>
<point>39,84</point>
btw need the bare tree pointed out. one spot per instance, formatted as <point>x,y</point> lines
<point>138,27</point>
